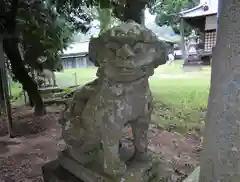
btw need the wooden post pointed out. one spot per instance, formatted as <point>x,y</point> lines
<point>2,103</point>
<point>9,86</point>
<point>143,17</point>
<point>75,76</point>
<point>25,97</point>
<point>4,83</point>
<point>183,40</point>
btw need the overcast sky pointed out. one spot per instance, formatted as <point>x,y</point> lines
<point>148,17</point>
<point>94,30</point>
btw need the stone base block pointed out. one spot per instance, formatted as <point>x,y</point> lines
<point>54,172</point>
<point>194,176</point>
<point>84,173</point>
<point>67,170</point>
<point>143,172</point>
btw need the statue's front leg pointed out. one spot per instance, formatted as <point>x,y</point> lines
<point>112,127</point>
<point>140,141</point>
<point>49,81</point>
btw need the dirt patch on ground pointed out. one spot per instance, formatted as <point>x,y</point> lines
<point>38,141</point>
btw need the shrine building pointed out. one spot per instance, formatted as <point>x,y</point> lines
<point>204,18</point>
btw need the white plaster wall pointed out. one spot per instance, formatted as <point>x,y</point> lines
<point>203,1</point>
<point>211,22</point>
<point>213,5</point>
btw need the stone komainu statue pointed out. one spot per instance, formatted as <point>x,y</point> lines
<point>126,56</point>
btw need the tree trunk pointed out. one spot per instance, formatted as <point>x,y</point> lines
<point>220,161</point>
<point>143,17</point>
<point>11,49</point>
<point>134,11</point>
<point>2,103</point>
<point>30,101</point>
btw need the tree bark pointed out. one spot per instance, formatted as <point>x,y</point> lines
<point>30,101</point>
<point>134,11</point>
<point>220,161</point>
<point>2,103</point>
<point>10,46</point>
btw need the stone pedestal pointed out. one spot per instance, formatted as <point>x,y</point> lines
<point>54,172</point>
<point>143,172</point>
<point>67,170</point>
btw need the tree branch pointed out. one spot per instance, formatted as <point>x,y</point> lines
<point>11,17</point>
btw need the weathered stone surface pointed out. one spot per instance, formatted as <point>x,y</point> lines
<point>58,171</point>
<point>92,127</point>
<point>74,128</point>
<point>85,173</point>
<point>147,171</point>
<point>194,176</point>
<point>53,172</point>
<point>127,52</point>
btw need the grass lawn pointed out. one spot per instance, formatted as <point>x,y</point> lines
<point>180,103</point>
<point>83,75</point>
<point>176,68</point>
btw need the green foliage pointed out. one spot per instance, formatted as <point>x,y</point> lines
<point>104,16</point>
<point>16,91</point>
<point>122,9</point>
<point>74,11</point>
<point>167,11</point>
<point>44,33</point>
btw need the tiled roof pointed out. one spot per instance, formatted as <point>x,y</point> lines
<point>77,48</point>
<point>205,8</point>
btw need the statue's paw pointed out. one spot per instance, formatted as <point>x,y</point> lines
<point>123,168</point>
<point>138,157</point>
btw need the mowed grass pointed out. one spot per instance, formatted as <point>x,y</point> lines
<point>176,68</point>
<point>179,103</point>
<point>82,75</point>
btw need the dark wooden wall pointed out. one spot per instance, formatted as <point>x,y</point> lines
<point>197,22</point>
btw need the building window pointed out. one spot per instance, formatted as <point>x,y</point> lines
<point>209,40</point>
